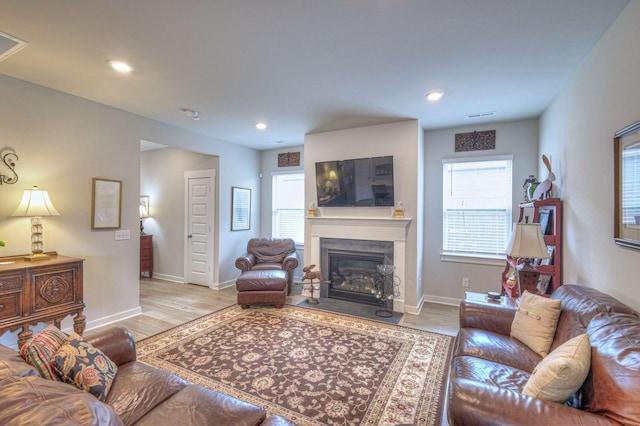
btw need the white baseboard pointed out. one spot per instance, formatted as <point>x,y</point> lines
<point>100,322</point>
<point>442,300</point>
<point>170,278</point>
<point>223,285</point>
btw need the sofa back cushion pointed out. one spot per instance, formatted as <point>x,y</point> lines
<point>579,305</point>
<point>612,388</point>
<point>270,250</point>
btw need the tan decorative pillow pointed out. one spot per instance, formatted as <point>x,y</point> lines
<point>562,372</point>
<point>535,322</point>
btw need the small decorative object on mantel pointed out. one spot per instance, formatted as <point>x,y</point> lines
<point>312,210</point>
<point>476,141</point>
<point>9,158</point>
<point>289,159</point>
<point>398,211</point>
<point>543,190</point>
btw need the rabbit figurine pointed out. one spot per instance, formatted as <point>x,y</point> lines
<point>544,189</point>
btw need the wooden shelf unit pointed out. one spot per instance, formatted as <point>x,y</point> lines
<point>552,238</point>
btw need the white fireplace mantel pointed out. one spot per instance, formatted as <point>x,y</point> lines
<point>365,228</point>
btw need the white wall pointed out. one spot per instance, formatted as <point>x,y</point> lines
<point>578,128</point>
<point>403,141</point>
<point>442,280</point>
<point>62,142</point>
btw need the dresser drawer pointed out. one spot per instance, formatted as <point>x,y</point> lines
<point>10,304</point>
<point>146,253</point>
<point>11,282</point>
<point>145,241</point>
<point>54,288</point>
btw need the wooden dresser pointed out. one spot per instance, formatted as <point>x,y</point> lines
<point>46,291</point>
<point>146,255</point>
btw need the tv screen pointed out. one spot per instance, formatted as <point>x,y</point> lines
<point>362,182</point>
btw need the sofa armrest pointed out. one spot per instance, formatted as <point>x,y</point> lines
<point>481,404</point>
<point>245,262</point>
<point>484,316</point>
<point>290,262</point>
<point>117,344</point>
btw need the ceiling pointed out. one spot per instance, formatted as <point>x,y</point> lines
<point>305,66</point>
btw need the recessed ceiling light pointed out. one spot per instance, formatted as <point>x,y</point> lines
<point>121,66</point>
<point>434,95</point>
<point>195,115</point>
<point>261,126</point>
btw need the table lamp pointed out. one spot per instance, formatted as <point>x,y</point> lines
<point>143,213</point>
<point>36,204</point>
<point>527,243</point>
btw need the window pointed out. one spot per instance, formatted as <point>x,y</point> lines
<point>476,200</point>
<point>631,185</point>
<point>288,207</point>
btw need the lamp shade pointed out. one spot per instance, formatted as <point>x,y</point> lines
<point>527,242</point>
<point>143,211</point>
<point>35,203</point>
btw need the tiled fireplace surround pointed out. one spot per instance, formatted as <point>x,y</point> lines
<point>364,229</point>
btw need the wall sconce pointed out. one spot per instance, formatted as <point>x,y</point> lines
<point>36,204</point>
<point>9,158</point>
<point>527,243</point>
<point>144,211</point>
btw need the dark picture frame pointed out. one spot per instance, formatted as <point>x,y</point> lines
<point>106,203</point>
<point>626,150</point>
<point>240,209</point>
<point>544,219</point>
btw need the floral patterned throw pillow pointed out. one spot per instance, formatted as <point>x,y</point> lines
<point>78,363</point>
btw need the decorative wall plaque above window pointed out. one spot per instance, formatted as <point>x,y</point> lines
<point>476,141</point>
<point>289,159</point>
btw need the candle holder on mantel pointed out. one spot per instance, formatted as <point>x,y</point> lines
<point>386,289</point>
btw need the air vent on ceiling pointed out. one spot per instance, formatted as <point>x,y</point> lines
<point>482,114</point>
<point>10,45</point>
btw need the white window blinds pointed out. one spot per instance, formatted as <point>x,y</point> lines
<point>288,207</point>
<point>630,184</point>
<point>476,205</point>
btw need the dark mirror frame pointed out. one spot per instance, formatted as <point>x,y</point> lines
<point>624,234</point>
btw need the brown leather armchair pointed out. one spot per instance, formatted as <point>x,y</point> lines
<point>267,254</point>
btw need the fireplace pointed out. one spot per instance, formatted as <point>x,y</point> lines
<point>350,266</point>
<point>353,276</point>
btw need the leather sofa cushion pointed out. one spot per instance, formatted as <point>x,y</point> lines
<point>195,405</point>
<point>495,347</point>
<point>579,305</point>
<point>489,373</point>
<point>613,386</point>
<point>267,266</point>
<point>270,250</point>
<point>34,400</point>
<point>12,364</point>
<point>138,388</point>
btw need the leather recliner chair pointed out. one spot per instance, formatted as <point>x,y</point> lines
<point>268,254</point>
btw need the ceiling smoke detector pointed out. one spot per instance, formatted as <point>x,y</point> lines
<point>195,115</point>
<point>10,45</point>
<point>482,114</point>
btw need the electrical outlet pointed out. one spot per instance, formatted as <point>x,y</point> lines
<point>465,282</point>
<point>123,235</point>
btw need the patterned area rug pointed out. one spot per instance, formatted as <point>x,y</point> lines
<point>311,366</point>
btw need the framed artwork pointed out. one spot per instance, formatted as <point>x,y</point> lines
<point>240,209</point>
<point>626,169</point>
<point>144,206</point>
<point>106,203</point>
<point>544,220</point>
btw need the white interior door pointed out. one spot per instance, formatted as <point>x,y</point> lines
<point>199,187</point>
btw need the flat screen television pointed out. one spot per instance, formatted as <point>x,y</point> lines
<point>362,182</point>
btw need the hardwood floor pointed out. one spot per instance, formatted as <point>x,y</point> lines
<point>166,304</point>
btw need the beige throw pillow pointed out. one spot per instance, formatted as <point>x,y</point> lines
<point>562,372</point>
<point>535,322</point>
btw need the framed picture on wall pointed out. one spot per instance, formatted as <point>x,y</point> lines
<point>106,202</point>
<point>240,209</point>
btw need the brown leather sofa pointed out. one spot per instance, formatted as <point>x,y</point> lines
<point>489,369</point>
<point>268,254</point>
<point>140,395</point>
